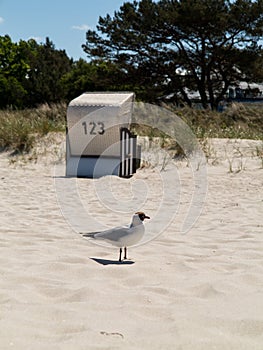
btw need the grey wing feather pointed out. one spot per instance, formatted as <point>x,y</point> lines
<point>114,234</point>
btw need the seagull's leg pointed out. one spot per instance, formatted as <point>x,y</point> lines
<point>120,255</point>
<point>125,253</point>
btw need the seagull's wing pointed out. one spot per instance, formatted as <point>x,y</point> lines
<point>113,235</point>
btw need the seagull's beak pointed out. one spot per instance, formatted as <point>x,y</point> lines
<point>146,217</point>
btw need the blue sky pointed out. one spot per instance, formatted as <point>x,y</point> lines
<point>65,22</point>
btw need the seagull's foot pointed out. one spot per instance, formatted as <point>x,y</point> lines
<point>125,254</point>
<point>120,255</point>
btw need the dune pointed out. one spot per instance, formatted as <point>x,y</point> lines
<point>200,289</point>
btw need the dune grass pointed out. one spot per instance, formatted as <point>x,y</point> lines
<point>239,121</point>
<point>20,129</point>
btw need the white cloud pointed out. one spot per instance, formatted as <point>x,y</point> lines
<point>84,27</point>
<point>1,20</point>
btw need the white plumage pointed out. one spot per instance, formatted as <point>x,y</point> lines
<point>123,236</point>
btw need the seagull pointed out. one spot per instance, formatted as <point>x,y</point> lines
<point>123,236</point>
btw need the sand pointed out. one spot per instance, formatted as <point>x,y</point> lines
<point>199,290</point>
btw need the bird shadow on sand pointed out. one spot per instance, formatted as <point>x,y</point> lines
<point>112,262</point>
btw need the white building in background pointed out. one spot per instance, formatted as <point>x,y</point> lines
<point>245,91</point>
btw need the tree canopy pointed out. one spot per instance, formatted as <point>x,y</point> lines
<point>161,50</point>
<point>170,48</point>
<point>31,73</point>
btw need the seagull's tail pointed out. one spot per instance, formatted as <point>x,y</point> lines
<point>89,234</point>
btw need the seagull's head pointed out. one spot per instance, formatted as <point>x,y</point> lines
<point>139,217</point>
<point>142,215</point>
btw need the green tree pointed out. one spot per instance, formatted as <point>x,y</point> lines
<point>91,76</point>
<point>31,73</point>
<point>251,64</point>
<point>44,80</point>
<point>79,79</point>
<point>13,68</point>
<point>173,47</point>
